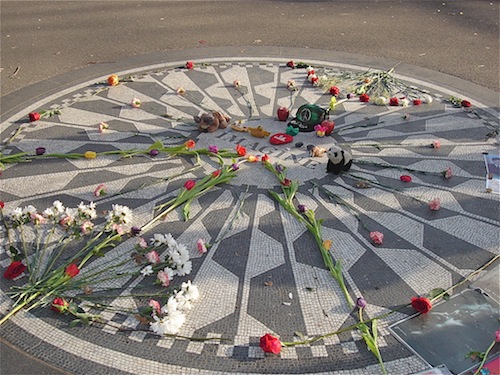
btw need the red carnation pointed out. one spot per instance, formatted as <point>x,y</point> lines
<point>72,270</point>
<point>189,184</point>
<point>394,102</point>
<point>216,173</point>
<point>334,90</point>
<point>189,65</point>
<point>14,270</point>
<point>2,205</point>
<point>270,344</point>
<point>421,304</point>
<point>364,98</point>
<point>290,64</point>
<point>466,103</point>
<point>34,116</point>
<point>405,178</point>
<point>242,151</point>
<point>417,102</point>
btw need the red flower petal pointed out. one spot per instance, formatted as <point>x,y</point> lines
<point>72,270</point>
<point>270,344</point>
<point>405,178</point>
<point>421,304</point>
<point>14,270</point>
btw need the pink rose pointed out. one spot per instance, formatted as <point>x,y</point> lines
<point>436,144</point>
<point>189,65</point>
<point>377,237</point>
<point>155,305</point>
<point>100,190</point>
<point>435,204</point>
<point>136,103</point>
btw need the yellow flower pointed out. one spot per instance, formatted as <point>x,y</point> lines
<point>90,155</point>
<point>327,244</point>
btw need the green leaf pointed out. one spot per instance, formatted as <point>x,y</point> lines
<point>299,334</point>
<point>75,322</point>
<point>157,145</point>
<point>435,292</point>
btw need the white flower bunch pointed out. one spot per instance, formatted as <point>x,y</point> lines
<point>170,318</point>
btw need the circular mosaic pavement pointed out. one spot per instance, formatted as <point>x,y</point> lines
<point>264,272</point>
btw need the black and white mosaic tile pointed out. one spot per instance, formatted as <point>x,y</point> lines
<point>260,242</point>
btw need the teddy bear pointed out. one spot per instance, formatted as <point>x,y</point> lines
<point>211,121</point>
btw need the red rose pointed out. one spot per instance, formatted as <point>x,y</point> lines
<point>405,178</point>
<point>189,184</point>
<point>466,103</point>
<point>417,102</point>
<point>365,98</point>
<point>2,205</point>
<point>270,344</point>
<point>59,305</point>
<point>421,304</point>
<point>334,90</point>
<point>394,102</point>
<point>34,116</point>
<point>14,270</point>
<point>189,65</point>
<point>242,151</point>
<point>72,270</point>
<point>290,64</point>
<point>216,173</point>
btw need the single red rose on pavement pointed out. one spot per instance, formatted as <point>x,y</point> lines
<point>364,98</point>
<point>72,270</point>
<point>466,103</point>
<point>34,116</point>
<point>405,178</point>
<point>189,184</point>
<point>290,64</point>
<point>270,344</point>
<point>14,270</point>
<point>421,304</point>
<point>334,90</point>
<point>394,102</point>
<point>189,65</point>
<point>59,305</point>
<point>417,102</point>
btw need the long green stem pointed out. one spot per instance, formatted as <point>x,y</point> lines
<point>478,370</point>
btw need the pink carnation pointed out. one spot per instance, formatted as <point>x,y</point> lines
<point>436,144</point>
<point>100,190</point>
<point>163,277</point>
<point>448,173</point>
<point>142,243</point>
<point>155,305</point>
<point>377,237</point>
<point>435,204</point>
<point>153,257</point>
<point>497,335</point>
<point>202,248</point>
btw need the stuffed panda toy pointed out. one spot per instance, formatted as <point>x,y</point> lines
<point>338,160</point>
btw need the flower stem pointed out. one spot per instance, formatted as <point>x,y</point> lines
<point>478,370</point>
